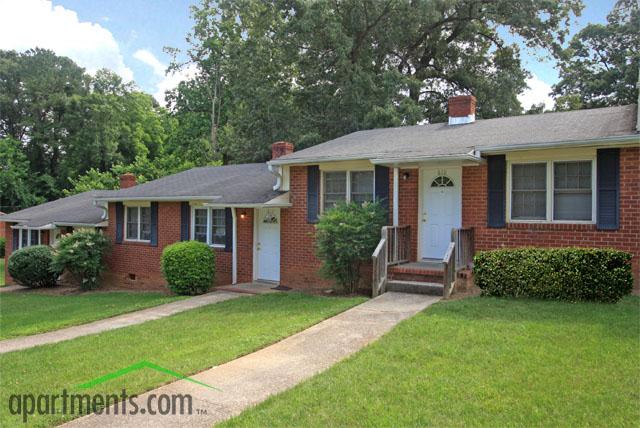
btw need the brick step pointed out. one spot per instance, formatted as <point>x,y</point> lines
<point>415,287</point>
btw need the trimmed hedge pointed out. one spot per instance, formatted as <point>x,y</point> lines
<point>554,273</point>
<point>32,266</point>
<point>189,267</point>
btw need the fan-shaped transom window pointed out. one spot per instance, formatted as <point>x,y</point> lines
<point>442,181</point>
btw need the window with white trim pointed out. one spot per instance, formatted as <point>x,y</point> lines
<point>552,191</point>
<point>28,237</point>
<point>346,186</point>
<point>138,223</point>
<point>209,226</point>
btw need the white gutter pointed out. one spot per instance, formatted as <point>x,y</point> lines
<point>279,161</point>
<point>397,160</point>
<point>264,205</point>
<point>278,175</point>
<point>234,248</point>
<point>625,140</point>
<point>159,198</point>
<point>51,226</point>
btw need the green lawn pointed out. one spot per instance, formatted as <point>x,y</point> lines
<point>1,272</point>
<point>25,313</point>
<point>186,343</point>
<point>480,362</point>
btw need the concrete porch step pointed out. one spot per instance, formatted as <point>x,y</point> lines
<point>416,287</point>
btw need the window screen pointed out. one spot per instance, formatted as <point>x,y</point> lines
<point>335,189</point>
<point>572,190</point>
<point>218,224</point>
<point>528,191</point>
<point>362,186</point>
<point>132,222</point>
<point>145,223</point>
<point>200,225</point>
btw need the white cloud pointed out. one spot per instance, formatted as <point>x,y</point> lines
<point>150,59</point>
<point>167,81</point>
<point>538,92</point>
<point>37,23</point>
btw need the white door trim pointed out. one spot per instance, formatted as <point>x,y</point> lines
<point>421,194</point>
<point>258,212</point>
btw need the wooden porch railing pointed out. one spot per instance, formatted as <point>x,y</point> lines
<point>379,259</point>
<point>465,246</point>
<point>394,248</point>
<point>449,263</point>
<point>399,243</point>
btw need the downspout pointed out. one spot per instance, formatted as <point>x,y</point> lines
<point>104,207</point>
<point>278,175</point>
<point>234,248</point>
<point>396,191</point>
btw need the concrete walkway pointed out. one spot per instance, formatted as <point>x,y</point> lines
<point>249,380</point>
<point>8,288</point>
<point>113,323</point>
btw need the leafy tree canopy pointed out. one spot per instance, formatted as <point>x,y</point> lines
<point>600,66</point>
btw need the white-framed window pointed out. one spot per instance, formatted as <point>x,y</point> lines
<point>346,186</point>
<point>137,221</point>
<point>28,237</point>
<point>209,226</point>
<point>559,191</point>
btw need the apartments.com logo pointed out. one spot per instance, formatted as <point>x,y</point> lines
<point>117,404</point>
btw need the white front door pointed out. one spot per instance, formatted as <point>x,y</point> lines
<point>441,209</point>
<point>268,244</point>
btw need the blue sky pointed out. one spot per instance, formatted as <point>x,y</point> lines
<point>128,36</point>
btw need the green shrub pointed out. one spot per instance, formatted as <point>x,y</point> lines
<point>555,273</point>
<point>189,267</point>
<point>3,244</point>
<point>33,266</point>
<point>346,237</point>
<point>81,253</point>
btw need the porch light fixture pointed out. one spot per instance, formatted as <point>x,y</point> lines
<point>243,215</point>
<point>405,176</point>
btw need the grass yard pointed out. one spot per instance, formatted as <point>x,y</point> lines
<point>480,362</point>
<point>2,272</point>
<point>186,343</point>
<point>26,313</point>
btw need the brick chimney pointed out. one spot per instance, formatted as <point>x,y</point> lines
<point>281,148</point>
<point>462,109</point>
<point>127,180</point>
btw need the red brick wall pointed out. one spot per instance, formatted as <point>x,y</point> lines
<point>8,249</point>
<point>627,238</point>
<point>407,204</point>
<point>298,262</point>
<point>245,244</point>
<point>143,260</point>
<point>2,232</point>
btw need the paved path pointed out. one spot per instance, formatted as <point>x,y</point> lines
<point>8,288</point>
<point>249,380</point>
<point>113,323</point>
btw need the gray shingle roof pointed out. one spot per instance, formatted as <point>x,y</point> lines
<point>229,184</point>
<point>73,210</point>
<point>441,139</point>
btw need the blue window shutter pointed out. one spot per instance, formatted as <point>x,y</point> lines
<point>185,218</point>
<point>154,224</point>
<point>608,189</point>
<point>228,230</point>
<point>119,222</point>
<point>496,191</point>
<point>382,187</point>
<point>313,193</point>
<point>16,239</point>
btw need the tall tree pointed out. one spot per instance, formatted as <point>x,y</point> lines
<point>600,66</point>
<point>16,182</point>
<point>310,71</point>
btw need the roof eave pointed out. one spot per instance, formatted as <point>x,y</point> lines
<point>159,198</point>
<point>417,159</point>
<point>618,141</point>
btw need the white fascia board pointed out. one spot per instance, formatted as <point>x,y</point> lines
<point>621,141</point>
<point>160,198</point>
<point>417,159</point>
<point>315,160</point>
